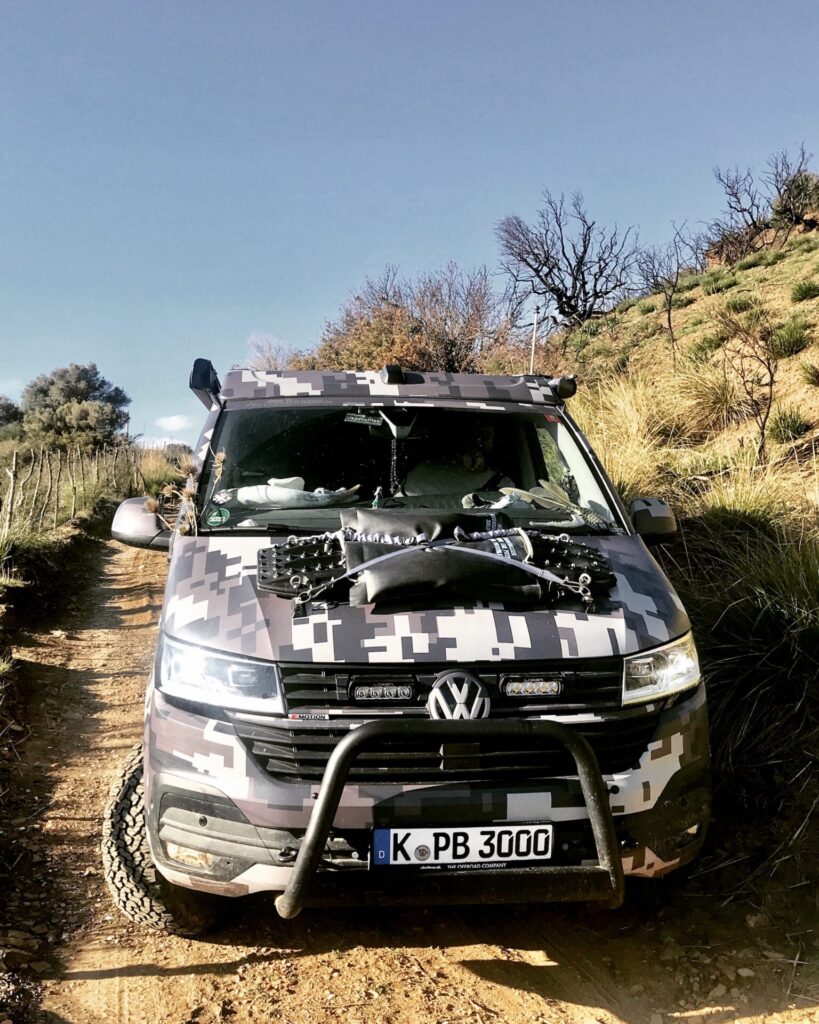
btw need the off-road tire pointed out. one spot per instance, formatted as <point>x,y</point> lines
<point>138,889</point>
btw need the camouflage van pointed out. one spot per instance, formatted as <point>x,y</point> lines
<point>413,649</point>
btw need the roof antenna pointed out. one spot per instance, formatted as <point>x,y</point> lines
<point>534,338</point>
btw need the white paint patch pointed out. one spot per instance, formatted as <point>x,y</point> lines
<point>592,634</point>
<point>181,611</point>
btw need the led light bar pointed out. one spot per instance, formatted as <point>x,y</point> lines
<point>381,691</point>
<point>544,687</point>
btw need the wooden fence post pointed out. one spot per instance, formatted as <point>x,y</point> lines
<point>10,495</point>
<point>57,486</point>
<point>47,498</point>
<point>33,506</point>
<point>81,460</point>
<point>73,478</point>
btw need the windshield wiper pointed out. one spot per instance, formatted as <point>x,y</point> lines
<point>242,527</point>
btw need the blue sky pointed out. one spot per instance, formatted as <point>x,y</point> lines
<point>175,177</point>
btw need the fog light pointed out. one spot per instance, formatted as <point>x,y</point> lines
<point>191,858</point>
<point>382,691</point>
<point>532,687</point>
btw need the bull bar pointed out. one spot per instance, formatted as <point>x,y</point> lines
<point>603,881</point>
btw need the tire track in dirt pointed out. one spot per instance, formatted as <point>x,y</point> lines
<point>448,966</point>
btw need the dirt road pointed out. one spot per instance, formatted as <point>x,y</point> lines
<point>679,957</point>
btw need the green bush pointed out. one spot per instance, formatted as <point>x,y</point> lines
<point>790,338</point>
<point>578,340</point>
<point>646,307</point>
<point>681,301</point>
<point>787,424</point>
<point>687,284</point>
<point>807,244</point>
<point>626,304</point>
<point>810,374</point>
<point>804,290</point>
<point>775,256</point>
<point>739,304</point>
<point>704,347</point>
<point>756,260</point>
<point>716,281</point>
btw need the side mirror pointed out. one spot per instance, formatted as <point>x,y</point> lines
<point>653,520</point>
<point>133,524</point>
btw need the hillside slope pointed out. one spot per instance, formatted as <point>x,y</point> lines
<point>634,339</point>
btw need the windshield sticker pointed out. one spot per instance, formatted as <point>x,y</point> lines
<point>366,419</point>
<point>217,517</point>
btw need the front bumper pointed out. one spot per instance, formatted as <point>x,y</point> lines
<point>203,794</point>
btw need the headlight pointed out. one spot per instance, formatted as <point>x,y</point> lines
<point>661,672</point>
<point>193,673</point>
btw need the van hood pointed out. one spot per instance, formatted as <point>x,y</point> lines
<point>212,599</point>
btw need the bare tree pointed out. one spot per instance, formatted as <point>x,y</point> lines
<point>750,353</point>
<point>457,314</point>
<point>660,269</point>
<point>267,353</point>
<point>794,189</point>
<point>441,320</point>
<point>745,204</point>
<point>577,268</point>
<point>760,215</point>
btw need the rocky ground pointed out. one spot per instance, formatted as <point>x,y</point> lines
<point>689,951</point>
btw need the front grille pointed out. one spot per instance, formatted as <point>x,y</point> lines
<point>588,684</point>
<point>292,753</point>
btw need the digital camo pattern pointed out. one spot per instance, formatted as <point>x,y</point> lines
<point>212,598</point>
<point>205,755</point>
<point>260,384</point>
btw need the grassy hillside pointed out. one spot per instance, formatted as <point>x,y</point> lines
<point>634,339</point>
<point>747,558</point>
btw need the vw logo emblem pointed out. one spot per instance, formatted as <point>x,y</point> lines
<point>458,695</point>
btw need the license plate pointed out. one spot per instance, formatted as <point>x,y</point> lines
<point>419,847</point>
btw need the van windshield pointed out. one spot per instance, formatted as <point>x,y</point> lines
<point>296,467</point>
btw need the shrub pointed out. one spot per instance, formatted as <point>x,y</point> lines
<point>810,374</point>
<point>626,304</point>
<point>157,470</point>
<point>704,347</point>
<point>681,301</point>
<point>771,619</point>
<point>646,307</point>
<point>687,284</point>
<point>775,256</point>
<point>714,398</point>
<point>715,281</point>
<point>739,304</point>
<point>787,424</point>
<point>578,340</point>
<point>790,338</point>
<point>620,364</point>
<point>756,260</point>
<point>804,290</point>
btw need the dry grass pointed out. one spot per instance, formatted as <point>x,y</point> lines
<point>747,559</point>
<point>157,470</point>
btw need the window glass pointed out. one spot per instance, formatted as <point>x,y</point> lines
<point>273,460</point>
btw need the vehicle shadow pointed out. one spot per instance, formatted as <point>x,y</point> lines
<point>669,956</point>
